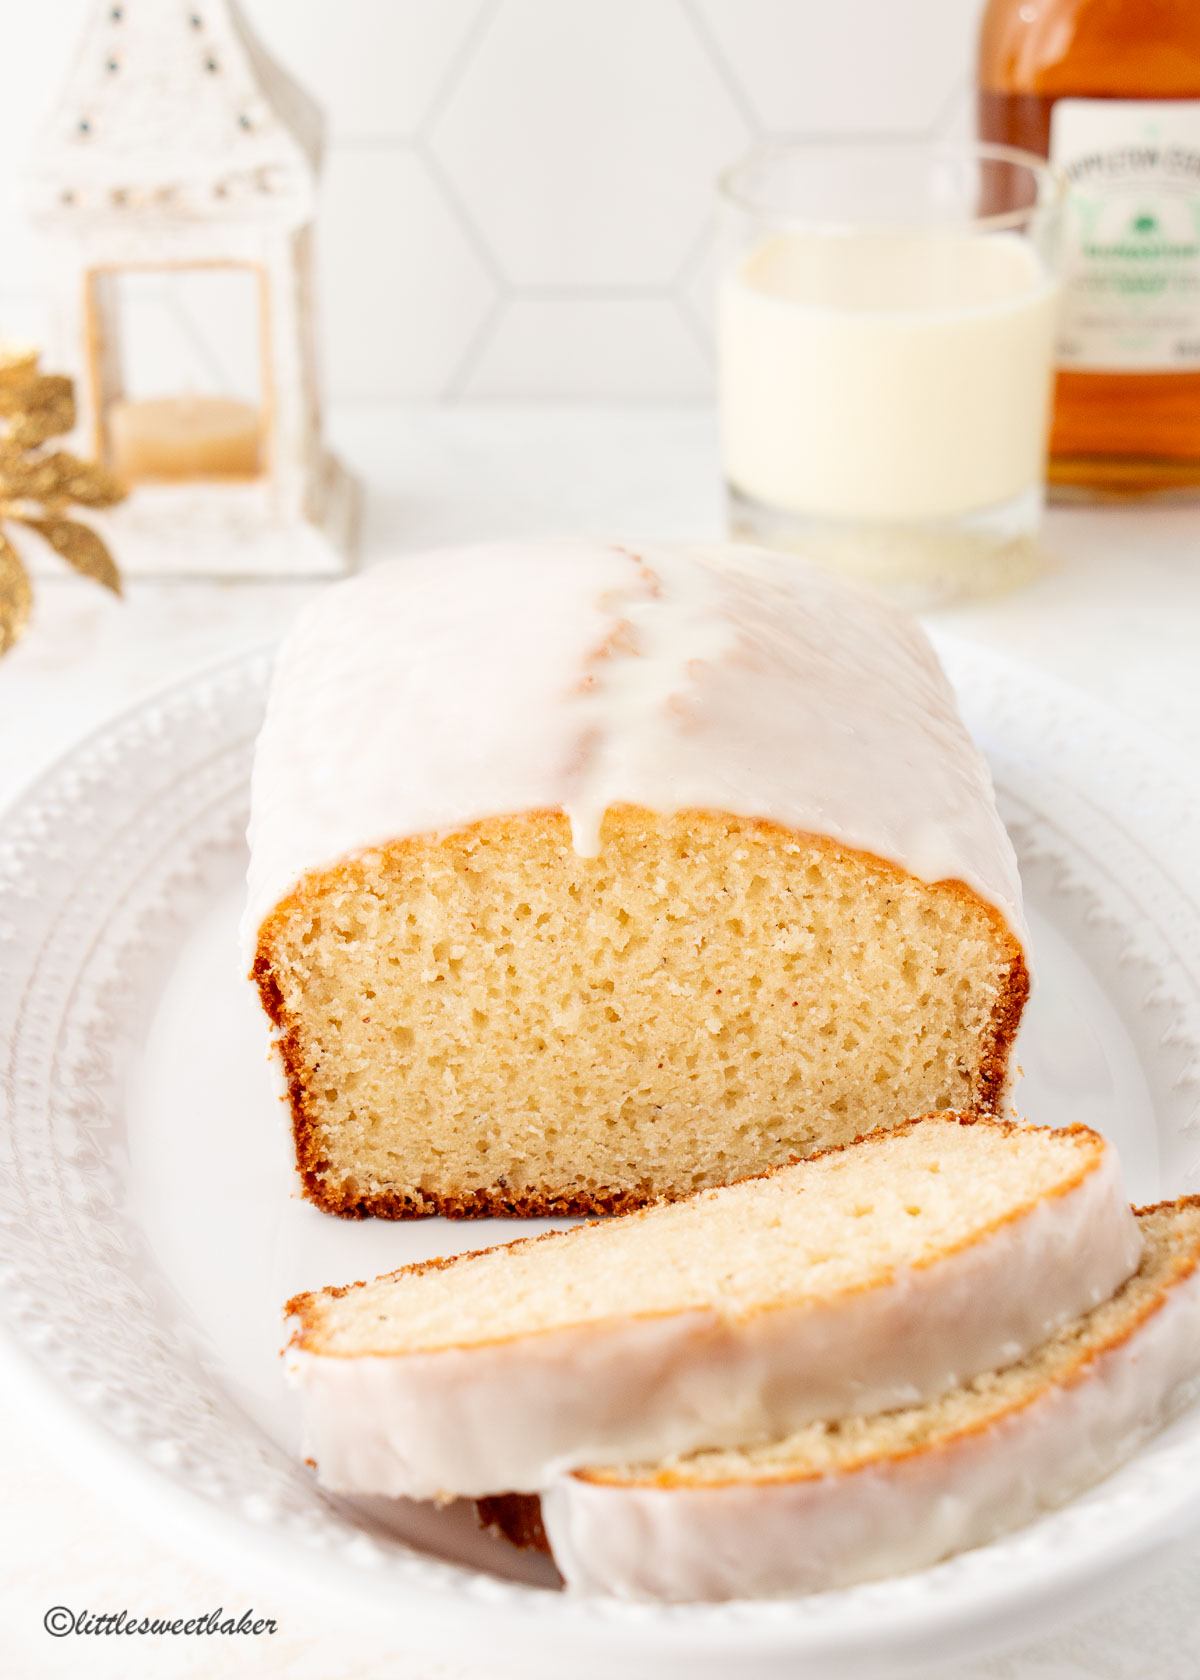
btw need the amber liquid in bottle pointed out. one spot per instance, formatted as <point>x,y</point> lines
<point>1116,430</point>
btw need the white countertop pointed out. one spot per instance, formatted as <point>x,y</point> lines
<point>1117,612</point>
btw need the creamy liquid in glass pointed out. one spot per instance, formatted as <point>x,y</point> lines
<point>887,375</point>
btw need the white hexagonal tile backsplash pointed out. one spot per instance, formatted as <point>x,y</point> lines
<point>849,67</point>
<point>404,291</point>
<point>377,66</point>
<point>584,139</point>
<point>519,193</point>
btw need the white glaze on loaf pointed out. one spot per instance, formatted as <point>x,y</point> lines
<point>435,691</point>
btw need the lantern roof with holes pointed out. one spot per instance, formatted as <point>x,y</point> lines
<point>176,111</point>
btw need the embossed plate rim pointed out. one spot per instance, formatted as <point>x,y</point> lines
<point>1027,720</point>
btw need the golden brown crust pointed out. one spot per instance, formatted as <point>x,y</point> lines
<point>515,1516</point>
<point>1170,1204</point>
<point>484,1203</point>
<point>495,1201</point>
<point>1006,1019</point>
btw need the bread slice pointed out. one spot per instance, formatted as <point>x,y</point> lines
<point>864,1497</point>
<point>868,1277</point>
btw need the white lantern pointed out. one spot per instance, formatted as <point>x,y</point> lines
<point>175,186</point>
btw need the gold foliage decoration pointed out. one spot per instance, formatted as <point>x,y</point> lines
<point>81,548</point>
<point>16,595</point>
<point>38,485</point>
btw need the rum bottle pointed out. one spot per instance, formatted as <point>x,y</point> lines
<point>1109,90</point>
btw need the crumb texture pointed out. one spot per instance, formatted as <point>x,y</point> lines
<point>489,1022</point>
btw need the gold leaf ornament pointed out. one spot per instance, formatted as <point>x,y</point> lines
<point>35,409</point>
<point>38,485</point>
<point>16,596</point>
<point>81,548</point>
<point>56,479</point>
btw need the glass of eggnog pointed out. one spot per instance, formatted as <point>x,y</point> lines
<point>886,332</point>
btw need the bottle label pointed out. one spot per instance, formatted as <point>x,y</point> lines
<point>1131,252</point>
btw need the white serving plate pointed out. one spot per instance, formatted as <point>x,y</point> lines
<point>150,1227</point>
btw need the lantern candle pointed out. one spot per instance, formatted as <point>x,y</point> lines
<point>184,437</point>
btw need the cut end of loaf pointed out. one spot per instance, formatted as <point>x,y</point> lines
<point>488,1023</point>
